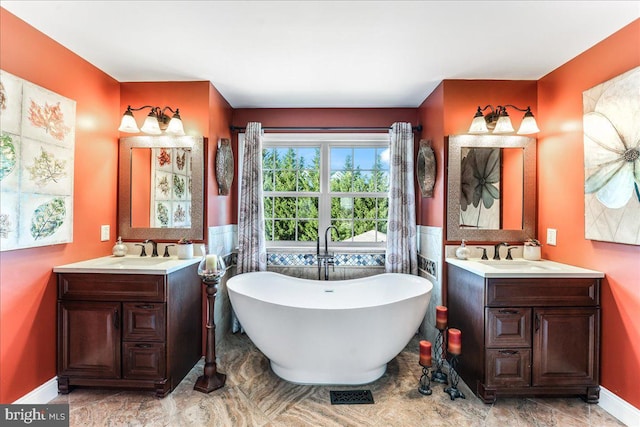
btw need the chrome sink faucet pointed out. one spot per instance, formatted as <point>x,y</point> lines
<point>496,250</point>
<point>155,246</point>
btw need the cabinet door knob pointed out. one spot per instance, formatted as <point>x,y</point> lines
<point>509,352</point>
<point>508,311</point>
<point>144,345</point>
<point>145,306</point>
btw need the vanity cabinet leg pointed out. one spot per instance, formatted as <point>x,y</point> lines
<point>593,395</point>
<point>162,388</point>
<point>486,395</point>
<point>63,385</point>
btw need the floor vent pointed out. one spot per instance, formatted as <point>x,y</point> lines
<point>351,397</point>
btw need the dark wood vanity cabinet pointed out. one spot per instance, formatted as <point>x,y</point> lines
<point>128,330</point>
<point>526,336</point>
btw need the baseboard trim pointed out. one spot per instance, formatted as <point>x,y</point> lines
<point>40,395</point>
<point>619,408</point>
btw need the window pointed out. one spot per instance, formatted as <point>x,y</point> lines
<point>313,181</point>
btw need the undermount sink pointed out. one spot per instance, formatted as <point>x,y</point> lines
<point>518,265</point>
<point>522,268</point>
<point>127,265</point>
<point>127,261</point>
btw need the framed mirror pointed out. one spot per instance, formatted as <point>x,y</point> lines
<point>491,195</point>
<point>161,188</point>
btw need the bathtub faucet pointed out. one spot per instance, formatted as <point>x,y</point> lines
<point>326,258</point>
<point>326,238</point>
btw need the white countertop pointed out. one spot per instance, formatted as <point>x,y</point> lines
<point>522,268</point>
<point>127,265</point>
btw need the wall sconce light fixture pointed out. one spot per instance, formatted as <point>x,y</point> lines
<point>155,123</point>
<point>499,122</point>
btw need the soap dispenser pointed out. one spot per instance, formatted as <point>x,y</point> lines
<point>119,249</point>
<point>463,251</point>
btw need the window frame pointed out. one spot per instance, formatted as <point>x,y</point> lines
<point>325,141</point>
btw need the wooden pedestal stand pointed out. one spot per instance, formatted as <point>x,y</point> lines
<point>212,379</point>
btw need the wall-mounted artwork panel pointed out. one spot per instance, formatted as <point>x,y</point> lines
<point>37,138</point>
<point>611,124</point>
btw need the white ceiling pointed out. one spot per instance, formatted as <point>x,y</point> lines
<point>326,53</point>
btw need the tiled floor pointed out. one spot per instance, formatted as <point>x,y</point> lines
<point>255,396</point>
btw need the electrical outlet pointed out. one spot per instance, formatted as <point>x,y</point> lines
<point>105,233</point>
<point>551,236</point>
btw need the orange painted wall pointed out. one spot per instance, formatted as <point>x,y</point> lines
<point>318,117</point>
<point>449,111</point>
<point>431,114</point>
<point>27,283</point>
<point>204,112</point>
<point>561,203</point>
<point>221,209</point>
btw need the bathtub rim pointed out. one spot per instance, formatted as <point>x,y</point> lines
<point>309,282</point>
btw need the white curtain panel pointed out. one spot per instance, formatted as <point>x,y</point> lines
<point>252,248</point>
<point>402,251</point>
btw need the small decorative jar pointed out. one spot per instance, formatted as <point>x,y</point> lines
<point>463,251</point>
<point>531,250</point>
<point>119,249</point>
<point>185,249</point>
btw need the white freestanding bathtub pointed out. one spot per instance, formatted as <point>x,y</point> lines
<point>329,332</point>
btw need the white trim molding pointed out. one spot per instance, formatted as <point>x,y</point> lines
<point>619,408</point>
<point>45,393</point>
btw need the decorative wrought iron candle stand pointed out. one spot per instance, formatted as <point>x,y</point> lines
<point>425,383</point>
<point>454,348</point>
<point>438,375</point>
<point>211,270</point>
<point>425,362</point>
<point>452,390</point>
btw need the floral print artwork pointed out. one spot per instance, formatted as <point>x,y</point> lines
<point>47,218</point>
<point>3,97</point>
<point>480,188</point>
<point>50,118</point>
<point>171,187</point>
<point>164,158</point>
<point>8,155</point>
<point>611,124</point>
<point>37,138</point>
<point>46,168</point>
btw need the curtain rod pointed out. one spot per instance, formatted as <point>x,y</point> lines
<point>323,128</point>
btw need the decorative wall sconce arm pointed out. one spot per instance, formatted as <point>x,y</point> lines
<point>156,122</point>
<point>498,121</point>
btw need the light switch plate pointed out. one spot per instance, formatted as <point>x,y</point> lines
<point>105,232</point>
<point>551,236</point>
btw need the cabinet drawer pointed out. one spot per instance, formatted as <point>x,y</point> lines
<point>509,367</point>
<point>143,360</point>
<point>144,321</point>
<point>581,292</point>
<point>508,327</point>
<point>111,287</point>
